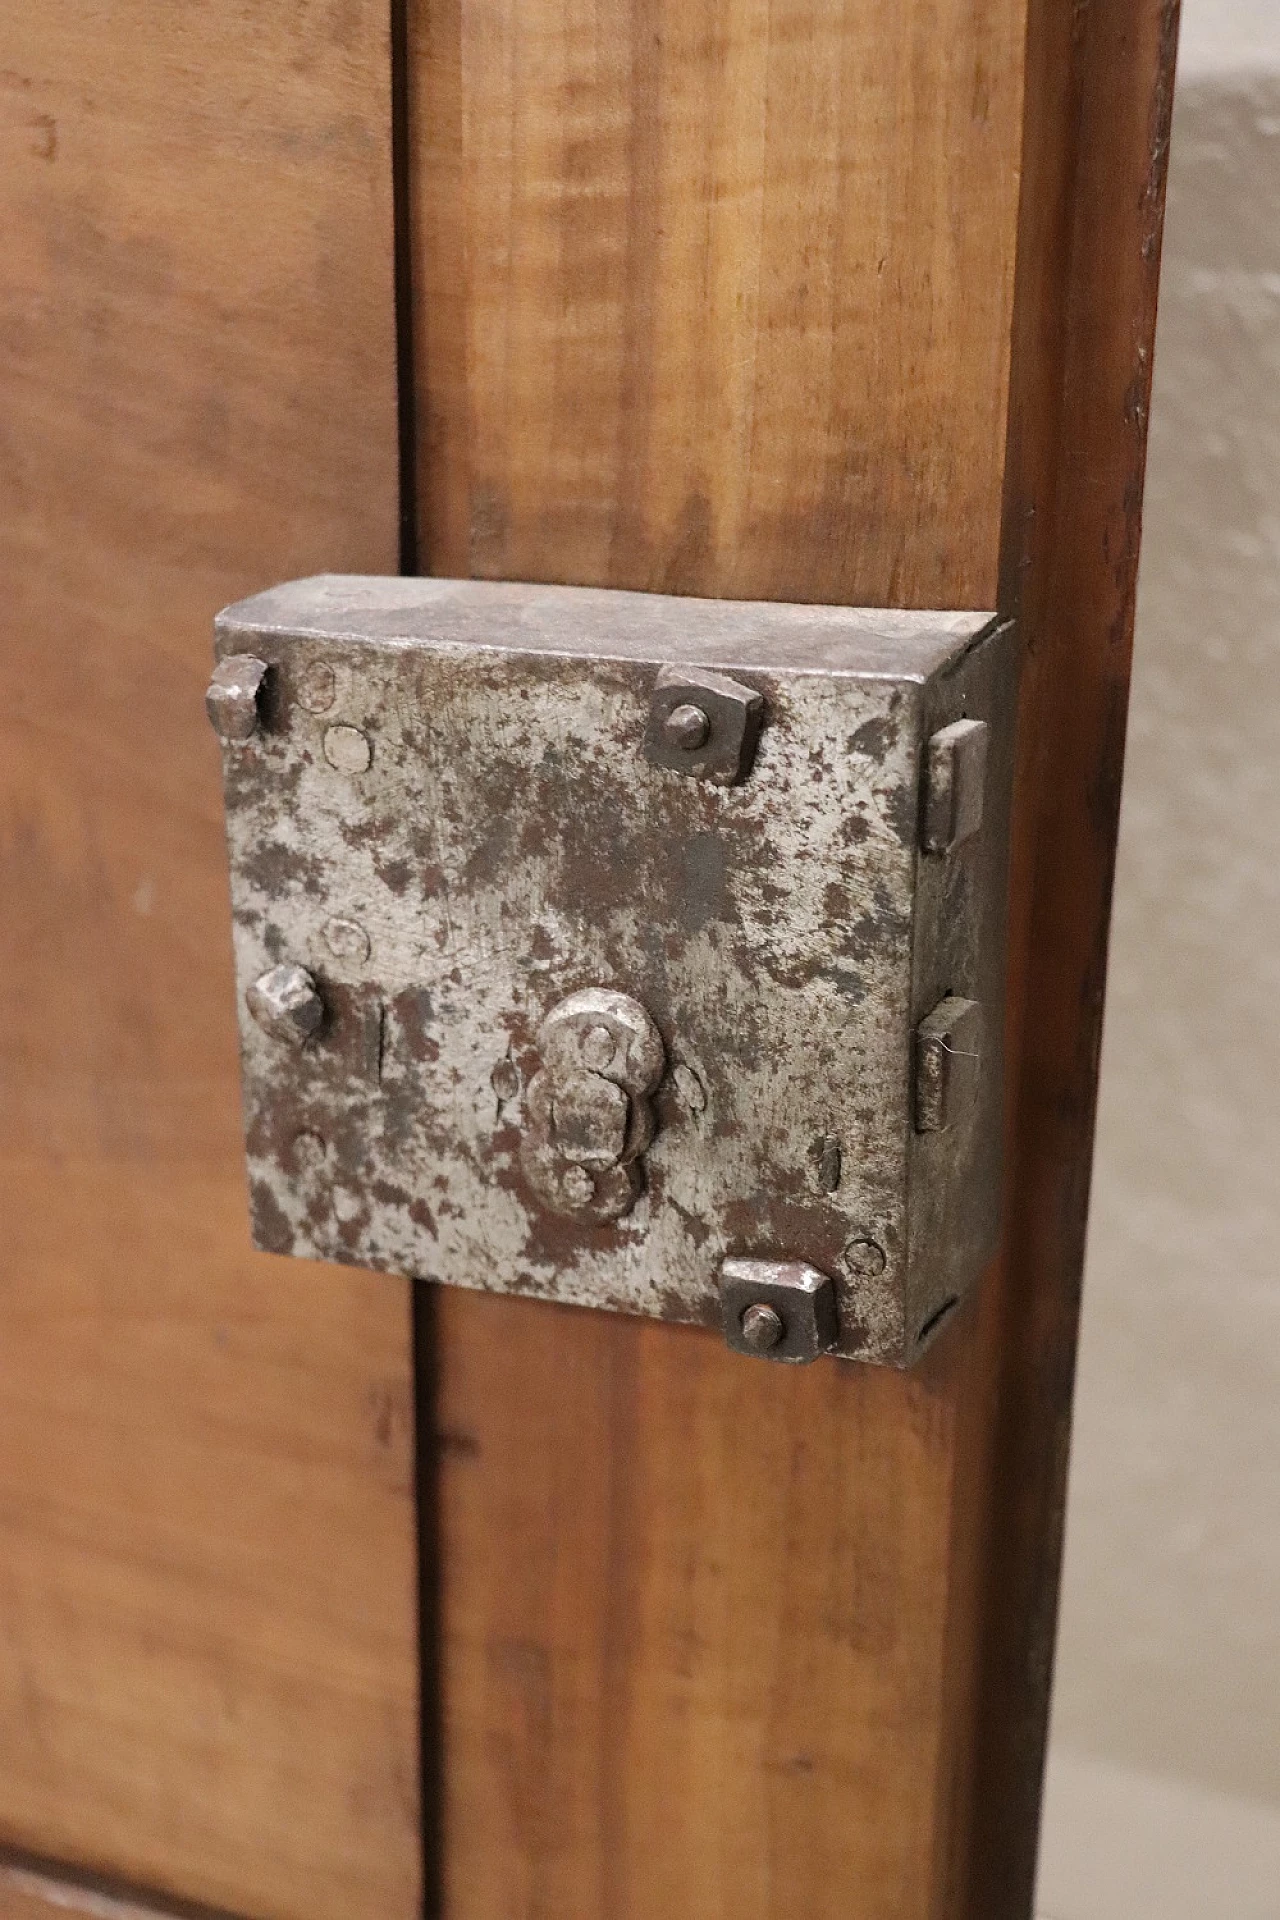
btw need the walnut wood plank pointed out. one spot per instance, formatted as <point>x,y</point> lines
<point>720,301</point>
<point>717,296</point>
<point>207,1667</point>
<point>1099,99</point>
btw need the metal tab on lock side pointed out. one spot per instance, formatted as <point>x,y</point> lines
<point>522,1010</point>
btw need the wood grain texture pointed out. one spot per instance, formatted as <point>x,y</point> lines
<point>716,295</point>
<point>675,1676</point>
<point>712,1639</point>
<point>207,1663</point>
<point>1099,100</point>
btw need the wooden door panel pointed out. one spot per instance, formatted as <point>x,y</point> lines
<point>849,303</point>
<point>813,303</point>
<point>207,1665</point>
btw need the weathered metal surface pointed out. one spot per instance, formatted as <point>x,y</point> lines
<point>778,1310</point>
<point>449,817</point>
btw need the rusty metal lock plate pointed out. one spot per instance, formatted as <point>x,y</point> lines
<point>589,941</point>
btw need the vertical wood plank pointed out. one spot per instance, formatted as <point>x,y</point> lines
<point>716,296</point>
<point>1099,100</point>
<point>721,300</point>
<point>207,1663</point>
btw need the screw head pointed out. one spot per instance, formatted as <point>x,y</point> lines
<point>687,727</point>
<point>309,1151</point>
<point>232,699</point>
<point>689,1089</point>
<point>762,1327</point>
<point>286,1005</point>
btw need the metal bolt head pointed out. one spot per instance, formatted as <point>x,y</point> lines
<point>762,1327</point>
<point>703,724</point>
<point>687,726</point>
<point>800,1303</point>
<point>285,1004</point>
<point>232,698</point>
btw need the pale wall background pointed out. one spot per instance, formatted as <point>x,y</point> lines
<point>1163,1798</point>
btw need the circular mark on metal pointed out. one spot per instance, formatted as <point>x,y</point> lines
<point>864,1258</point>
<point>309,1152</point>
<point>505,1079</point>
<point>689,1089</point>
<point>347,749</point>
<point>687,726</point>
<point>346,940</point>
<point>318,687</point>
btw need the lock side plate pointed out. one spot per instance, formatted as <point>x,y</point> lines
<point>446,816</point>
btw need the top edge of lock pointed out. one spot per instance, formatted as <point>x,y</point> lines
<point>608,623</point>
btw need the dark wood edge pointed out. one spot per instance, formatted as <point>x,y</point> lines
<point>1098,105</point>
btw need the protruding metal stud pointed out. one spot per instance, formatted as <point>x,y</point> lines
<point>955,784</point>
<point>286,1004</point>
<point>948,1063</point>
<point>762,1327</point>
<point>686,727</point>
<point>233,696</point>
